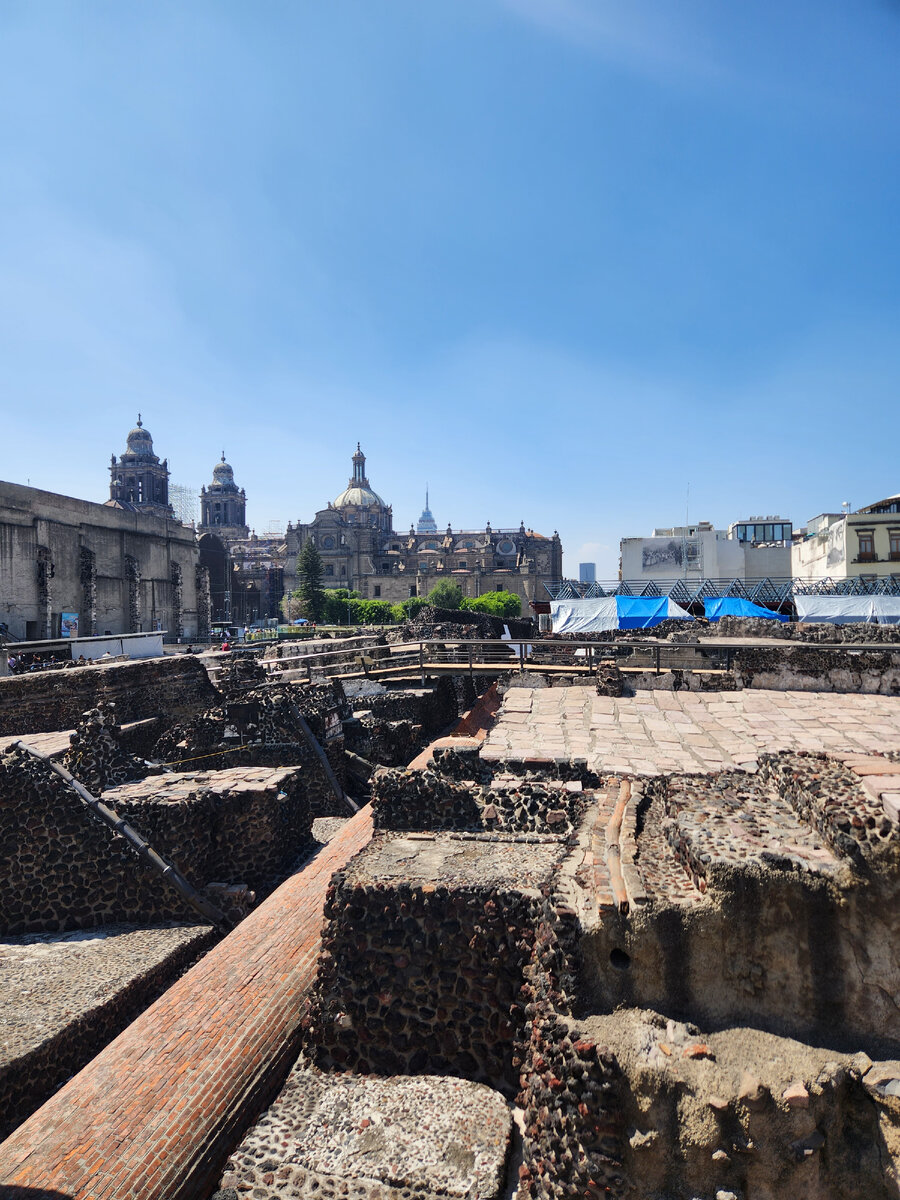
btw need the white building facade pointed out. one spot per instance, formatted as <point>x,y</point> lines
<point>758,548</point>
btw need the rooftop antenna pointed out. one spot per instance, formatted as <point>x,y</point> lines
<point>845,507</point>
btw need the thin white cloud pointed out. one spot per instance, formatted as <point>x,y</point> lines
<point>637,37</point>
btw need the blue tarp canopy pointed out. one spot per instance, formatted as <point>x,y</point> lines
<point>642,612</point>
<point>613,612</point>
<point>734,606</point>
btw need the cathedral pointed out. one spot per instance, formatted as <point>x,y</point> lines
<point>354,534</point>
<point>362,551</point>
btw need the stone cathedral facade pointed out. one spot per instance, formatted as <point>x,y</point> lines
<point>361,550</point>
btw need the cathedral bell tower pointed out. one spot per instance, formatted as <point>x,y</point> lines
<point>139,482</point>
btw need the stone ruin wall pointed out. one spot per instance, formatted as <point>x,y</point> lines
<point>68,871</point>
<point>475,982</point>
<point>49,700</point>
<point>766,929</point>
<point>423,800</point>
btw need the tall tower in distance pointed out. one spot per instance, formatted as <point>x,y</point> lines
<point>223,505</point>
<point>426,523</point>
<point>139,482</point>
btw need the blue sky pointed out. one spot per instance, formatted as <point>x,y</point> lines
<point>563,259</point>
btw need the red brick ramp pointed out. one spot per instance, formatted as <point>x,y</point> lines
<point>153,1115</point>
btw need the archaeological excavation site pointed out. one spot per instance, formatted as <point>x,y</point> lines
<point>432,915</point>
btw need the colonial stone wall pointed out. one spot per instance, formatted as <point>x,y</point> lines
<point>49,700</point>
<point>114,568</point>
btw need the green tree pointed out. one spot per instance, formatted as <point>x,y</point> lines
<point>336,605</point>
<point>309,577</point>
<point>446,594</point>
<point>497,604</point>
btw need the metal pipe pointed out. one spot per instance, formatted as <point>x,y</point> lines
<point>170,873</point>
<point>313,742</point>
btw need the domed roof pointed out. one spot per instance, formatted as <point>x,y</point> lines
<point>222,472</point>
<point>362,497</point>
<point>357,493</point>
<point>139,439</point>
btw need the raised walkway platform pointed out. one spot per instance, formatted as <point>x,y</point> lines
<point>154,1115</point>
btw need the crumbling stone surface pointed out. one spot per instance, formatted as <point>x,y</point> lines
<point>65,996</point>
<point>739,1112</point>
<point>95,756</point>
<point>245,824</point>
<point>423,957</point>
<point>800,668</point>
<point>367,1138</point>
<point>610,680</point>
<point>805,631</point>
<point>390,743</point>
<point>509,804</point>
<point>260,728</point>
<point>239,671</point>
<point>65,870</point>
<point>432,623</point>
<point>767,899</point>
<point>46,700</point>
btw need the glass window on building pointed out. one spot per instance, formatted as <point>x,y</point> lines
<point>866,544</point>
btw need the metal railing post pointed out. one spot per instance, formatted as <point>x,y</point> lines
<point>658,648</point>
<point>471,668</point>
<point>422,661</point>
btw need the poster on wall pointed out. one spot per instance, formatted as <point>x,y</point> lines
<point>68,625</point>
<point>669,554</point>
<point>333,726</point>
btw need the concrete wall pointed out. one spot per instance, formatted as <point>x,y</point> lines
<point>122,572</point>
<point>720,557</point>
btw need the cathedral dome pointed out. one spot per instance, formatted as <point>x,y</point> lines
<point>139,439</point>
<point>222,472</point>
<point>357,493</point>
<point>362,497</point>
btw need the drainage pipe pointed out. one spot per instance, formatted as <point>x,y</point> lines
<point>169,873</point>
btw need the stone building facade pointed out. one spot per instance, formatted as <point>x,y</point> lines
<point>117,569</point>
<point>362,551</point>
<point>846,545</point>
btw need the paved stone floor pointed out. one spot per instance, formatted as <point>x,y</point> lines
<point>656,733</point>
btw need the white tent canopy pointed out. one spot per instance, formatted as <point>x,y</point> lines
<point>842,610</point>
<point>584,616</point>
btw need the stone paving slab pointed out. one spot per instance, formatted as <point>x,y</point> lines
<point>154,1114</point>
<point>50,980</point>
<point>657,733</point>
<point>365,1137</point>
